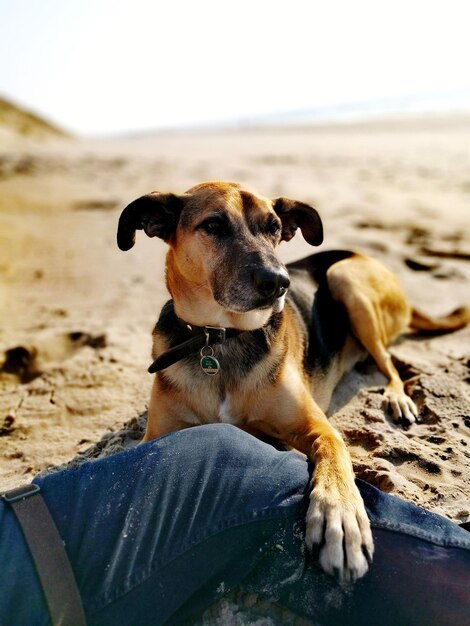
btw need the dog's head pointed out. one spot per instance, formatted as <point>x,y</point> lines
<point>221,267</point>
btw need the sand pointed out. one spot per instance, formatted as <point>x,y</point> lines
<point>76,313</point>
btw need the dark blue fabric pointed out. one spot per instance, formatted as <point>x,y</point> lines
<point>157,533</point>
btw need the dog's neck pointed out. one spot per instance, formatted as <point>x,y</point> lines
<point>194,303</point>
<point>174,341</point>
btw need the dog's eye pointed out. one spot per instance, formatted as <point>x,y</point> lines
<point>273,227</point>
<point>215,226</point>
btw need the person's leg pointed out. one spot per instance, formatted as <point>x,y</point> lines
<point>159,532</point>
<point>149,529</point>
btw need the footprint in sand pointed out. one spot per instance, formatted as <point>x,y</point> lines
<point>30,362</point>
<point>381,474</point>
<point>368,440</point>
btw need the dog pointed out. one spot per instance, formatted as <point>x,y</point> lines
<point>248,341</point>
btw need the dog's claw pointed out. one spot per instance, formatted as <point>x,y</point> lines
<point>367,554</point>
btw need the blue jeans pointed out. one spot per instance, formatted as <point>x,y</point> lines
<point>157,533</point>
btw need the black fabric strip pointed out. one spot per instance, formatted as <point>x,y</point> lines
<point>192,346</point>
<point>49,556</point>
<point>177,353</point>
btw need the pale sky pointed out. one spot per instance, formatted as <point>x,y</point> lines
<point>106,66</point>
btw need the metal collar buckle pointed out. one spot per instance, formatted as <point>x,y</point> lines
<point>214,334</point>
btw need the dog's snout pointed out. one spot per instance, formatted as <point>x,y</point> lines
<point>270,283</point>
<point>283,285</point>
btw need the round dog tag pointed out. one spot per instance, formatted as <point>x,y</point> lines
<point>209,365</point>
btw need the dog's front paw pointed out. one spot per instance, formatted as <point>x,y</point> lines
<point>340,529</point>
<point>402,406</point>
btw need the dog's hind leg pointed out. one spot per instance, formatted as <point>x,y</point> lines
<point>378,312</point>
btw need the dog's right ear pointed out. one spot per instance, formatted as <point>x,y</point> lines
<point>156,213</point>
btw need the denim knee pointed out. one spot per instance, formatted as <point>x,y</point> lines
<point>230,464</point>
<point>223,440</point>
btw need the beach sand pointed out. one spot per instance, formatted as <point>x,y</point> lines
<point>76,313</point>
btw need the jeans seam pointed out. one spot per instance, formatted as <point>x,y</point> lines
<point>426,536</point>
<point>146,572</point>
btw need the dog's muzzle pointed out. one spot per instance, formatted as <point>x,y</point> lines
<point>270,284</point>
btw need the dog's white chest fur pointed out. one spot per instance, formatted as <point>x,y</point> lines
<point>225,415</point>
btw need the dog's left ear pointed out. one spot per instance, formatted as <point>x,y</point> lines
<point>156,213</point>
<point>295,215</point>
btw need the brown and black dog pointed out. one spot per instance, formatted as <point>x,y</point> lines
<point>292,332</point>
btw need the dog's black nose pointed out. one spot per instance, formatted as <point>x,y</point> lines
<point>270,283</point>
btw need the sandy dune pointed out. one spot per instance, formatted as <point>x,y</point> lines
<point>76,313</point>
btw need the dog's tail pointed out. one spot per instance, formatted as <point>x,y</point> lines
<point>440,325</point>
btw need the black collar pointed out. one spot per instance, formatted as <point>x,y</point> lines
<point>201,336</point>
